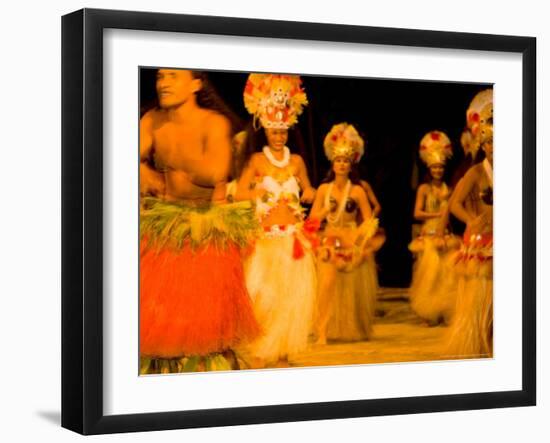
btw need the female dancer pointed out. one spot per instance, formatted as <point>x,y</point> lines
<point>346,274</point>
<point>280,272</point>
<point>431,246</point>
<point>471,332</point>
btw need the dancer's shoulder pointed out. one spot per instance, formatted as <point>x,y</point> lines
<point>322,188</point>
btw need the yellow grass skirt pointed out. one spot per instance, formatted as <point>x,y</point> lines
<point>434,283</point>
<point>353,304</point>
<point>471,331</point>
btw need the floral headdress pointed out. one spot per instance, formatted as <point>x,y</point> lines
<point>485,133</point>
<point>343,140</point>
<point>479,115</point>
<point>275,100</point>
<point>435,147</point>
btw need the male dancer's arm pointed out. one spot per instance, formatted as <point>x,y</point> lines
<point>212,169</point>
<point>244,184</point>
<point>150,180</point>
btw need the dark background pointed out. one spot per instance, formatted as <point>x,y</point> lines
<point>392,116</point>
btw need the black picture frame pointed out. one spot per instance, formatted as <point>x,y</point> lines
<point>82,220</point>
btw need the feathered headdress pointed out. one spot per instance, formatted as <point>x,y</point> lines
<point>274,99</point>
<point>435,147</point>
<point>343,140</point>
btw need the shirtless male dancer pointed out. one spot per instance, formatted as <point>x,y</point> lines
<point>194,306</point>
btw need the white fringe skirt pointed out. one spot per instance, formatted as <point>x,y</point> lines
<point>283,289</point>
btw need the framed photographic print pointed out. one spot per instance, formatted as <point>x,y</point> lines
<point>270,221</point>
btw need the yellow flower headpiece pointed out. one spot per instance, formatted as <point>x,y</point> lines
<point>435,147</point>
<point>478,115</point>
<point>343,140</point>
<point>276,100</point>
<point>480,111</point>
<point>485,133</point>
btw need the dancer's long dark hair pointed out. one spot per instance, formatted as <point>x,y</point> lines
<point>467,162</point>
<point>208,98</point>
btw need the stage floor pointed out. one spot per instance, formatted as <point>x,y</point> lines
<point>398,336</point>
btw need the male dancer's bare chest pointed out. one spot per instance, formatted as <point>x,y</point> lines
<point>177,147</point>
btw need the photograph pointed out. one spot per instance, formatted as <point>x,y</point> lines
<point>290,220</point>
<point>277,222</point>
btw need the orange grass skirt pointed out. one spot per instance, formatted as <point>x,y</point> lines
<point>193,301</point>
